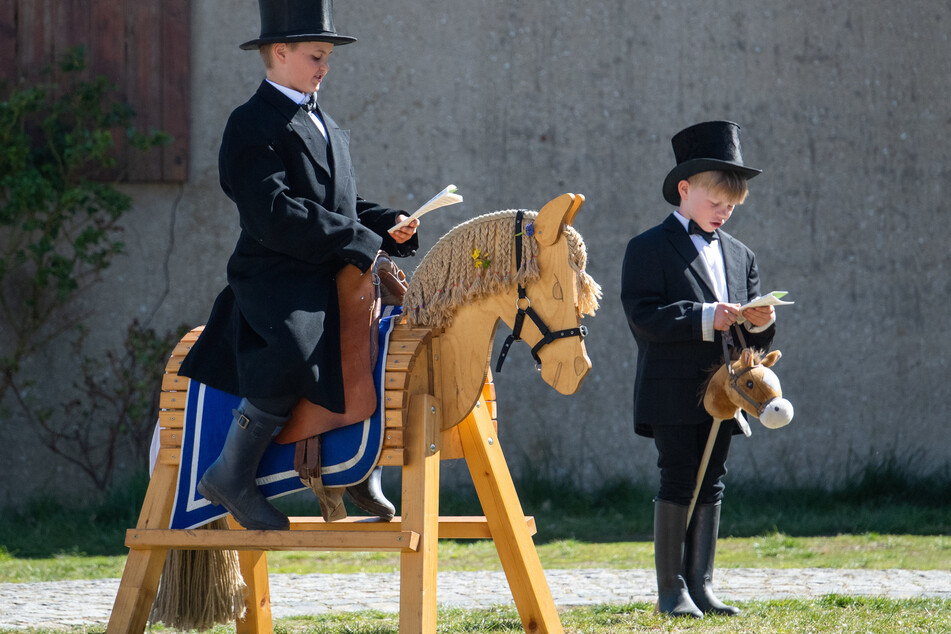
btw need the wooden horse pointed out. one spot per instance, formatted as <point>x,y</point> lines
<point>744,385</point>
<point>439,404</point>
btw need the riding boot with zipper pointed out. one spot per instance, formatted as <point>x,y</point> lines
<point>701,549</point>
<point>230,480</point>
<point>368,495</point>
<point>670,527</point>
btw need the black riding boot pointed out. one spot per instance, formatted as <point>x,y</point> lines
<point>368,495</point>
<point>230,480</point>
<point>700,552</point>
<point>670,527</point>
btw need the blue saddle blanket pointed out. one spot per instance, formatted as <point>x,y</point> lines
<point>347,454</point>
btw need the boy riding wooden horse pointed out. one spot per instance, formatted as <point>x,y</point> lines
<point>273,334</point>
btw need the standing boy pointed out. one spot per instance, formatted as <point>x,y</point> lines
<point>682,284</point>
<point>273,334</point>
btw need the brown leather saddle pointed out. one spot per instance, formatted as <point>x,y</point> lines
<point>360,298</point>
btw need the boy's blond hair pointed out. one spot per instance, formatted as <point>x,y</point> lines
<point>731,185</point>
<point>266,51</point>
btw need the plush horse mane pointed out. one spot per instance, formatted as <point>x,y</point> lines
<point>473,260</point>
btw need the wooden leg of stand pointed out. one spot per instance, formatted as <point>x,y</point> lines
<point>503,512</point>
<point>420,513</point>
<point>254,570</point>
<point>140,579</point>
<point>143,567</point>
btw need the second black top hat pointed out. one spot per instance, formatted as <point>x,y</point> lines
<point>711,145</point>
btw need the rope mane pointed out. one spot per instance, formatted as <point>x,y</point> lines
<point>474,260</point>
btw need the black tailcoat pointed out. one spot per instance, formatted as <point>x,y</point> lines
<point>273,331</point>
<point>664,285</point>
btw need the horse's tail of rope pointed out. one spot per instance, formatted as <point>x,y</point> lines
<point>200,588</point>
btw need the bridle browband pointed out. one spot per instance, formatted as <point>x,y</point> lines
<point>524,307</point>
<point>735,376</point>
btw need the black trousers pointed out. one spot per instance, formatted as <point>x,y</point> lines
<point>679,452</point>
<point>276,405</point>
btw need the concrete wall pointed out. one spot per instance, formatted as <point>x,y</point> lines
<point>844,105</point>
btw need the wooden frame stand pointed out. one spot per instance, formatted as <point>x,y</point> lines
<point>414,535</point>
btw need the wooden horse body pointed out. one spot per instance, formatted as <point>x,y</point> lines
<point>439,404</point>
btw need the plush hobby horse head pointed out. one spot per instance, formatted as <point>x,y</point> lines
<point>748,385</point>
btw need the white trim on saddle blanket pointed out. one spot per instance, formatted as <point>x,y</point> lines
<point>347,454</point>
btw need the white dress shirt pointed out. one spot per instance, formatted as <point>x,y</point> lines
<point>712,257</point>
<point>300,98</point>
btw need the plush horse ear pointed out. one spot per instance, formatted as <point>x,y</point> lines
<point>746,357</point>
<point>772,358</point>
<point>553,215</point>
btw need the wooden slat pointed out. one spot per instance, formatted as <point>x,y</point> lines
<point>182,349</point>
<point>488,391</point>
<point>172,418</point>
<point>174,363</point>
<point>170,437</point>
<point>142,82</point>
<point>393,438</point>
<point>403,333</point>
<point>330,539</point>
<point>408,346</point>
<point>391,457</point>
<point>169,455</point>
<point>172,382</point>
<point>172,400</point>
<point>34,45</point>
<point>71,20</point>
<point>450,527</point>
<point>394,399</point>
<point>399,362</point>
<point>192,335</point>
<point>392,380</point>
<point>393,418</point>
<point>8,34</point>
<point>176,29</point>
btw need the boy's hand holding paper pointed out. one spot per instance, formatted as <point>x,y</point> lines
<point>770,299</point>
<point>446,197</point>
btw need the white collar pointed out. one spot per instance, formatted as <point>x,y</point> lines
<point>682,219</point>
<point>294,95</point>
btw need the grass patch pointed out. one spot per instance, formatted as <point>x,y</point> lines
<point>830,614</point>
<point>880,520</point>
<point>878,552</point>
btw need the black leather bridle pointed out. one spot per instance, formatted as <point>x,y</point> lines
<point>524,307</point>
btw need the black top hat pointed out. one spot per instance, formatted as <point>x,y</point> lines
<point>711,145</point>
<point>297,21</point>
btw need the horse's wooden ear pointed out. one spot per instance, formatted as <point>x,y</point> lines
<point>772,358</point>
<point>575,208</point>
<point>553,215</point>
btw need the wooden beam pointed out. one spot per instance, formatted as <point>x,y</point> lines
<point>398,541</point>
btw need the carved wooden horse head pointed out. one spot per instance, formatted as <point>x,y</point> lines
<point>520,267</point>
